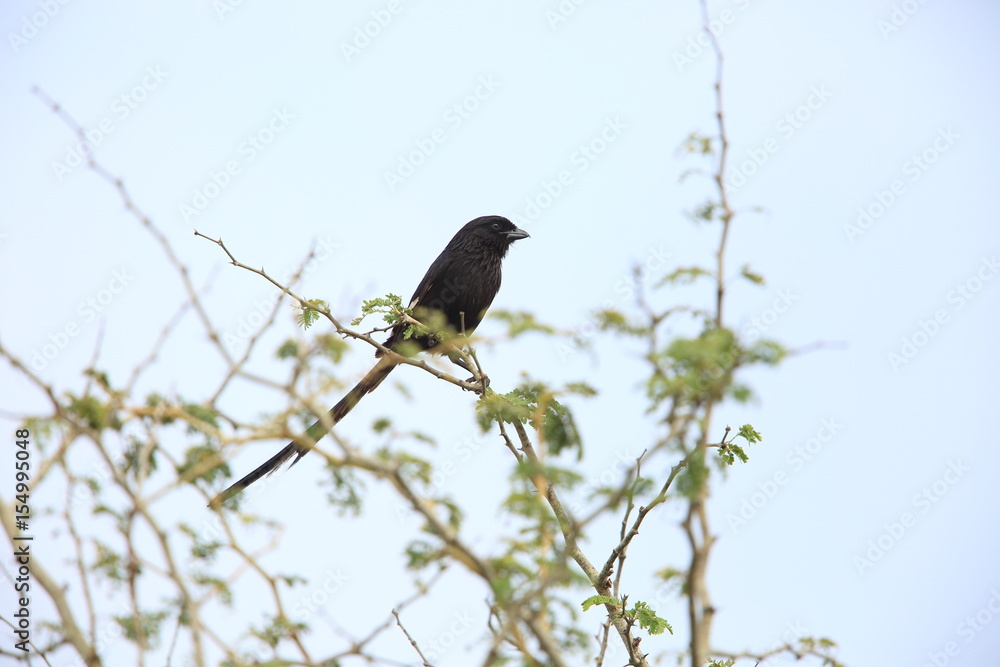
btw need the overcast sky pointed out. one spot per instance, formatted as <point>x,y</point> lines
<point>864,131</point>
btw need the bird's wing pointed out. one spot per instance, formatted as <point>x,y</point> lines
<point>425,287</point>
<point>436,270</point>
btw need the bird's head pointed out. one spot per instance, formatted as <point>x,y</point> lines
<point>493,230</point>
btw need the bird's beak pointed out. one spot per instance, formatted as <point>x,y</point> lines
<point>518,233</point>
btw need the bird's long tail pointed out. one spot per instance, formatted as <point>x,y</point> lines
<point>313,434</point>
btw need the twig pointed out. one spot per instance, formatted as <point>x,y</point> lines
<point>146,222</point>
<point>569,532</point>
<point>340,328</point>
<point>413,642</point>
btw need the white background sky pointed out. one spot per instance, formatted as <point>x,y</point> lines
<point>878,99</point>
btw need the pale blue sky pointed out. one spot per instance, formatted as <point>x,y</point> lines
<point>257,124</point>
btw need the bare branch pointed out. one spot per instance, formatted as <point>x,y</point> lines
<point>413,642</point>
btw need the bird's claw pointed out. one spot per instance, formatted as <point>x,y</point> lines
<point>484,382</point>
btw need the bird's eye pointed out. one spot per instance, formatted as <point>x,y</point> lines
<point>496,226</point>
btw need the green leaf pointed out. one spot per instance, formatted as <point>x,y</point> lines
<point>215,584</point>
<point>332,347</point>
<point>693,477</point>
<point>101,377</point>
<point>200,413</point>
<point>614,320</point>
<point>557,423</point>
<point>391,307</point>
<point>506,408</point>
<point>740,392</point>
<point>560,477</point>
<point>600,599</point>
<point>750,434</point>
<point>730,452</point>
<point>519,322</point>
<point>648,620</point>
<point>109,563</point>
<point>309,314</point>
<point>640,613</point>
<point>135,449</point>
<point>154,401</point>
<point>201,549</point>
<point>288,350</point>
<point>684,275</point>
<point>560,429</point>
<point>279,629</point>
<point>345,493</point>
<point>142,629</point>
<point>753,277</point>
<point>696,368</point>
<point>95,413</point>
<point>420,554</point>
<point>581,389</point>
<point>706,212</point>
<point>698,144</point>
<point>197,457</point>
<point>673,577</point>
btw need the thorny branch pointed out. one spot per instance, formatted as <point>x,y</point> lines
<point>137,504</point>
<point>520,620</point>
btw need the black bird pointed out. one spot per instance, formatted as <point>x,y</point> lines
<point>451,299</point>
